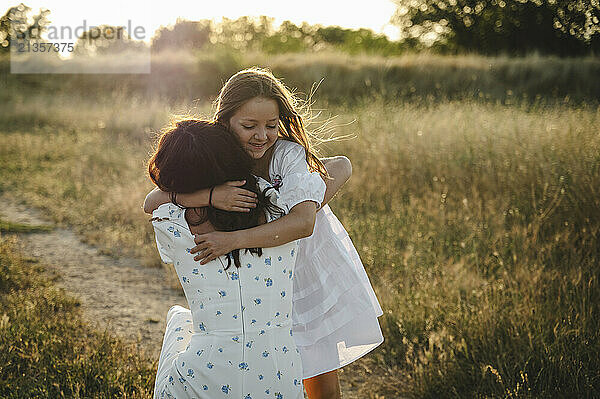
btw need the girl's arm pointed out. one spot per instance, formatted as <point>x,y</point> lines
<point>154,199</point>
<point>227,196</point>
<point>340,169</point>
<point>298,223</point>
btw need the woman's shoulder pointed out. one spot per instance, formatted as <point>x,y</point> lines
<point>171,218</point>
<point>168,209</point>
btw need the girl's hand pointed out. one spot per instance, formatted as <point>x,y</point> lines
<point>229,197</point>
<point>212,245</point>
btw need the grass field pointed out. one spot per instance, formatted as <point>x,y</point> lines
<point>478,223</point>
<point>46,351</point>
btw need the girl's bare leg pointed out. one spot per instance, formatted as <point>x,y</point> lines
<point>323,386</point>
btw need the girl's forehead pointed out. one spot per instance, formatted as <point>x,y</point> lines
<point>259,108</point>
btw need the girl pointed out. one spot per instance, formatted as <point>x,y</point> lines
<point>334,307</point>
<point>237,339</point>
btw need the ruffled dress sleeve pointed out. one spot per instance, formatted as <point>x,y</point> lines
<point>164,220</point>
<point>290,175</point>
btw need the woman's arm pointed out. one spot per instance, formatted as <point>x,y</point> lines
<point>298,223</point>
<point>227,196</point>
<point>340,169</point>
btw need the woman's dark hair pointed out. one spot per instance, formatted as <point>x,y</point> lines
<point>193,155</point>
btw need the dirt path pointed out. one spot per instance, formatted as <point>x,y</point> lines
<point>119,295</point>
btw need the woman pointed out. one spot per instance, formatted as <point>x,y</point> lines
<point>237,339</point>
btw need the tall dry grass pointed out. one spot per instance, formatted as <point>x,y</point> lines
<point>479,225</point>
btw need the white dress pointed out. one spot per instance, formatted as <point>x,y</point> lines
<point>335,309</point>
<point>237,340</point>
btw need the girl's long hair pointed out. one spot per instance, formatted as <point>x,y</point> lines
<point>193,155</point>
<point>257,82</point>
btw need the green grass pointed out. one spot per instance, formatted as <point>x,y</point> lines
<point>46,351</point>
<point>10,227</point>
<point>478,222</point>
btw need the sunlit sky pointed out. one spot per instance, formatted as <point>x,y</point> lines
<point>372,14</point>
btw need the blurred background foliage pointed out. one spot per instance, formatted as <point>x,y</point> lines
<point>517,27</point>
<point>19,22</point>
<point>449,49</point>
<point>492,27</point>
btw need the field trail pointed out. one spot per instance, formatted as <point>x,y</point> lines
<point>116,294</point>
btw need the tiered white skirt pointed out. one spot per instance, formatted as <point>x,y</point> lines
<point>335,309</point>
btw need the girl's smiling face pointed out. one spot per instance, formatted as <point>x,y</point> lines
<point>256,124</point>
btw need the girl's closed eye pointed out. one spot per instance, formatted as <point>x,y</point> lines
<point>252,127</point>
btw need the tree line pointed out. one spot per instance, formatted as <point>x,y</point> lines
<point>516,27</point>
<point>491,27</point>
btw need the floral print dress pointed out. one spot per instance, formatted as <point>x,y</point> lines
<point>236,340</point>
